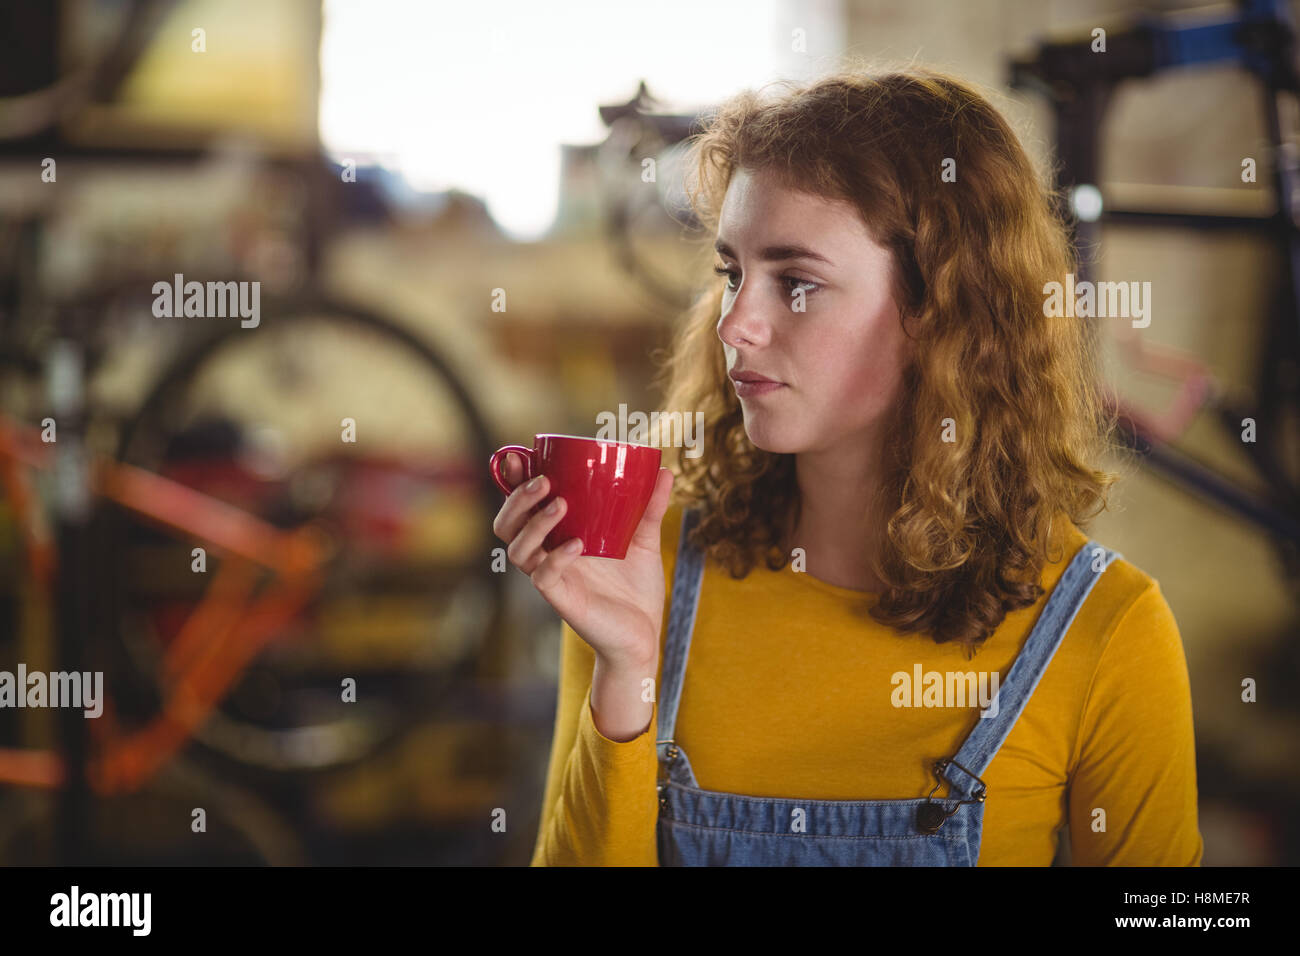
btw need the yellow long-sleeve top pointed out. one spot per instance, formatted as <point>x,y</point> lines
<point>788,691</point>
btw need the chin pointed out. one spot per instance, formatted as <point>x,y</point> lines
<point>777,441</point>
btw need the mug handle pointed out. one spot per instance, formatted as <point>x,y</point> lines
<point>494,465</point>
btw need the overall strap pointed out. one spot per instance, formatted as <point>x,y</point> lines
<point>688,572</point>
<point>1062,606</point>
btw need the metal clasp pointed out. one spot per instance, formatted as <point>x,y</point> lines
<point>672,753</point>
<point>931,816</point>
<point>980,791</point>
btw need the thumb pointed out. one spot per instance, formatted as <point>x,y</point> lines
<point>647,532</point>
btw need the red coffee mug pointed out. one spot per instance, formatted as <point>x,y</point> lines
<point>606,486</point>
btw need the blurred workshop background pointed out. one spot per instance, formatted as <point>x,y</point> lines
<point>272,532</point>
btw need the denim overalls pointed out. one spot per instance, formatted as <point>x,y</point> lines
<point>707,828</point>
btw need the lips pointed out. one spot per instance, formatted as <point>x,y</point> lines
<point>737,376</point>
<point>753,385</point>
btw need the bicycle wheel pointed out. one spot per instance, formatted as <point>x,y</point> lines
<point>332,415</point>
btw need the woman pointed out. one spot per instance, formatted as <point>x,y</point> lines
<point>902,648</point>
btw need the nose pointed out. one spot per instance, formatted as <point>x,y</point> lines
<point>741,325</point>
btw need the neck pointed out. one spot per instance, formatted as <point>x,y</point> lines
<point>838,534</point>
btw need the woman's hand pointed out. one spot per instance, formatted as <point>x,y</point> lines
<point>615,606</point>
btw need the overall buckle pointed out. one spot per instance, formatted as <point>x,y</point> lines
<point>671,754</point>
<point>931,816</point>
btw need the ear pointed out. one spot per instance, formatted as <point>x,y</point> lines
<point>911,326</point>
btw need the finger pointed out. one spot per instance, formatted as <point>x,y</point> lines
<point>514,469</point>
<point>518,508</point>
<point>551,570</point>
<point>526,551</point>
<point>647,532</point>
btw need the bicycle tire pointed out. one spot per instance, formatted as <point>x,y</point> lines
<point>480,446</point>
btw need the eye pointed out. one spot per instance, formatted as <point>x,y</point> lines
<point>811,286</point>
<point>795,281</point>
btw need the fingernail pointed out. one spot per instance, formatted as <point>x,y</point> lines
<point>534,484</point>
<point>553,507</point>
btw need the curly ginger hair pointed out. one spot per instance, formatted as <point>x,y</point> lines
<point>966,524</point>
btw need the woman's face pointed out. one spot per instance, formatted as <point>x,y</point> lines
<point>841,359</point>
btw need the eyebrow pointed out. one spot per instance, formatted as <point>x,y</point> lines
<point>781,253</point>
